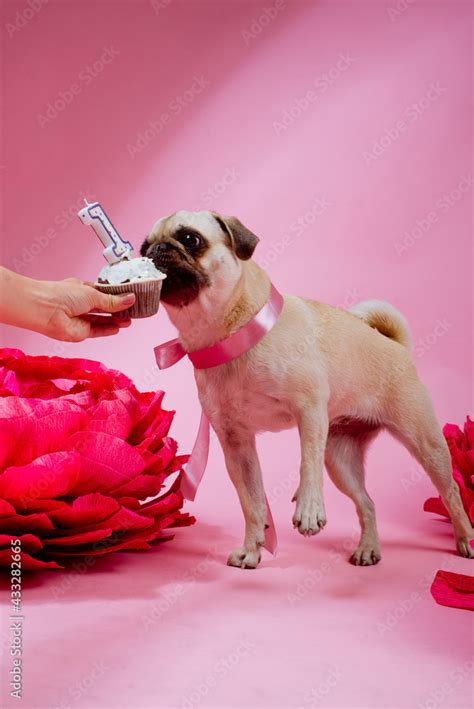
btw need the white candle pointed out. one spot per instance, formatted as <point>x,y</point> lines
<point>115,247</point>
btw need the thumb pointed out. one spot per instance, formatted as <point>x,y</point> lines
<point>109,303</point>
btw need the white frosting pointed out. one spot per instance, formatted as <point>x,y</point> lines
<point>135,269</point>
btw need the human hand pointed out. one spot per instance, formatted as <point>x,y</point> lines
<point>81,311</point>
<point>69,310</point>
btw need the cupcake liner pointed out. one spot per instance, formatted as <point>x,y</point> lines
<point>147,297</point>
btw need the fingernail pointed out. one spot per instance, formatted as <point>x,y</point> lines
<point>128,299</point>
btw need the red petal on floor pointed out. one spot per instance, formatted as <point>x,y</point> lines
<point>49,476</point>
<point>103,472</point>
<point>436,505</point>
<point>28,563</point>
<point>85,510</point>
<point>453,590</point>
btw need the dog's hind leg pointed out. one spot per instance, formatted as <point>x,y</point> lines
<point>413,422</point>
<point>345,465</point>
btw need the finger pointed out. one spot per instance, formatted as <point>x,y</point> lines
<point>103,330</point>
<point>109,303</point>
<point>101,320</point>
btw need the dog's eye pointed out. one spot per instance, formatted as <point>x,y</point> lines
<point>189,240</point>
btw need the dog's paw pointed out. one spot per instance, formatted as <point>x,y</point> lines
<point>366,554</point>
<point>244,558</point>
<point>310,516</point>
<point>464,547</point>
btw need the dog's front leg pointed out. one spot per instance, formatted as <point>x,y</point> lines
<point>310,516</point>
<point>244,470</point>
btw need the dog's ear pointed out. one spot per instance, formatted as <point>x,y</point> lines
<point>242,239</point>
<point>144,247</point>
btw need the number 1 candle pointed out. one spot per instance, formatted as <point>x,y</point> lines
<point>116,248</point>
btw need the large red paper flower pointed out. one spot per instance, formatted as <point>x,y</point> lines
<point>84,457</point>
<point>461,447</point>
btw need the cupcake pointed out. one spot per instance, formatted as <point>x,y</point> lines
<point>135,275</point>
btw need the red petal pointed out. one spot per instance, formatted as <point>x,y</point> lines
<point>8,382</point>
<point>160,460</point>
<point>436,505</point>
<point>111,417</point>
<point>131,503</point>
<point>124,520</point>
<point>25,523</point>
<point>28,542</point>
<point>453,590</point>
<point>80,538</point>
<point>6,509</point>
<point>51,475</point>
<point>153,412</point>
<point>30,429</point>
<point>28,505</point>
<point>141,487</point>
<point>28,563</point>
<point>168,504</point>
<point>469,433</point>
<point>106,462</point>
<point>85,510</point>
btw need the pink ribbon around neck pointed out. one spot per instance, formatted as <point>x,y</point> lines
<point>224,351</point>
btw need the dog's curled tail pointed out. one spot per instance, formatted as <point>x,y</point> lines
<point>384,318</point>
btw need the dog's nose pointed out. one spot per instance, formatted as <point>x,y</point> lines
<point>162,247</point>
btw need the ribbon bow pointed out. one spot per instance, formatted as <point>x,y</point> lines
<point>224,351</point>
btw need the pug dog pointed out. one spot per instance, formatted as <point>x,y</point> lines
<point>340,376</point>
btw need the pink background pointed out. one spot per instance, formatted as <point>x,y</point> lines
<point>375,164</point>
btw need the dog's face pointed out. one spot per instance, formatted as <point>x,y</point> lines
<point>197,250</point>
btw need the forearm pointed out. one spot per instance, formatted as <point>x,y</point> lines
<point>25,302</point>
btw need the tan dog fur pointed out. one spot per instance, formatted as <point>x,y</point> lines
<point>329,372</point>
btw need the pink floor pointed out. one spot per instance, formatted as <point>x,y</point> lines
<point>176,627</point>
